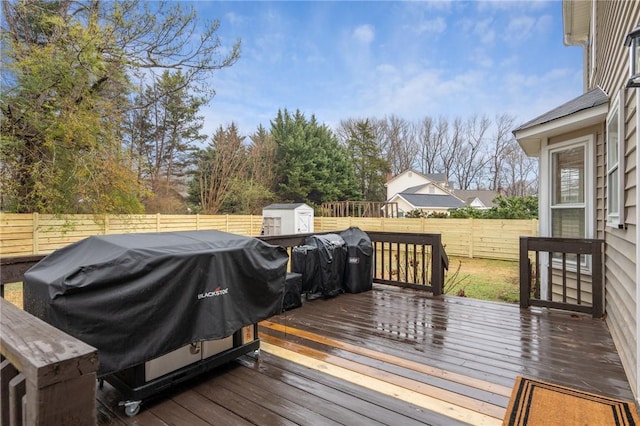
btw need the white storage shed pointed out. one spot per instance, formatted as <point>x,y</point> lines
<point>286,219</point>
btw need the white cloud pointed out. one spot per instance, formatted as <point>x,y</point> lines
<point>519,29</point>
<point>235,19</point>
<point>436,25</point>
<point>522,28</point>
<point>364,34</point>
<point>482,58</point>
<point>484,30</point>
<point>506,5</point>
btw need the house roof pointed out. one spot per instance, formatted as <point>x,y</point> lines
<point>415,189</point>
<point>485,196</point>
<point>291,206</point>
<point>587,109</point>
<point>436,178</point>
<point>435,201</point>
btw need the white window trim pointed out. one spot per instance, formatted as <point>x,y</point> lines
<point>616,220</point>
<point>587,142</point>
<point>546,182</point>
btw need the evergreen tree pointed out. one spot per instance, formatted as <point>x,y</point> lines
<point>369,167</point>
<point>312,166</point>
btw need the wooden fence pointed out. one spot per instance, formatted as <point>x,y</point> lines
<point>482,238</point>
<point>26,234</point>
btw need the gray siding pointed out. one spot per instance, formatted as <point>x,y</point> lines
<point>613,21</point>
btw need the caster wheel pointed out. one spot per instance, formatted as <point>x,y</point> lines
<point>132,408</point>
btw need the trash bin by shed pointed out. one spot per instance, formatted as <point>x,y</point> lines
<point>358,274</point>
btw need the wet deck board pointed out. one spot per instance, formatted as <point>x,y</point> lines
<point>390,356</point>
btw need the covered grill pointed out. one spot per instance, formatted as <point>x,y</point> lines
<point>136,297</point>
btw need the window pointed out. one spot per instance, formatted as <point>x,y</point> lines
<point>570,196</point>
<point>568,206</point>
<point>615,163</point>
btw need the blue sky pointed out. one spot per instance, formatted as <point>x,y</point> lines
<point>349,59</point>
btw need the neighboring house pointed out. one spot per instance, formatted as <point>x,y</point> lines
<point>478,199</point>
<point>430,193</point>
<point>588,162</point>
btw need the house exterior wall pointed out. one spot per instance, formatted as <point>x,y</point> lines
<point>403,181</point>
<point>613,20</point>
<point>406,180</point>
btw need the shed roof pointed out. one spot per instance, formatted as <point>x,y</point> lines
<point>286,206</point>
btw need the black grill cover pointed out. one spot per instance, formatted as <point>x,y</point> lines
<point>292,287</point>
<point>331,255</point>
<point>358,273</point>
<point>138,296</point>
<point>304,260</point>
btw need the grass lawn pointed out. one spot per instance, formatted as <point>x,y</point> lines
<point>13,294</point>
<point>485,279</point>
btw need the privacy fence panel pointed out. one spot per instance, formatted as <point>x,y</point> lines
<point>25,234</point>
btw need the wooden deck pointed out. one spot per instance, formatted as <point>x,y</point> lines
<point>391,356</point>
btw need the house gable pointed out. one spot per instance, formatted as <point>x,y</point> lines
<point>413,179</point>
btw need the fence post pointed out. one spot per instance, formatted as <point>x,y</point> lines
<point>471,236</point>
<point>35,232</point>
<point>105,222</point>
<point>525,273</point>
<point>157,222</point>
<point>437,273</point>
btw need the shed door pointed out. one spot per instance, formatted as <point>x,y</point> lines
<point>272,226</point>
<point>303,222</point>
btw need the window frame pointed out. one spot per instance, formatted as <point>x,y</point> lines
<point>547,205</point>
<point>614,168</point>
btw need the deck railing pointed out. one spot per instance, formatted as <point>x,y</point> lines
<point>569,270</point>
<point>401,259</point>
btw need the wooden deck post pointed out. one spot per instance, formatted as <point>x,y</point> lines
<point>59,370</point>
<point>437,268</point>
<point>597,287</point>
<point>525,273</point>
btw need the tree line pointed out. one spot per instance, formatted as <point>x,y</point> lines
<point>100,112</point>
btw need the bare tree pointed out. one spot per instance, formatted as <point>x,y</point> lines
<point>450,147</point>
<point>469,159</point>
<point>519,173</point>
<point>499,149</point>
<point>218,168</point>
<point>399,143</point>
<point>428,145</point>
